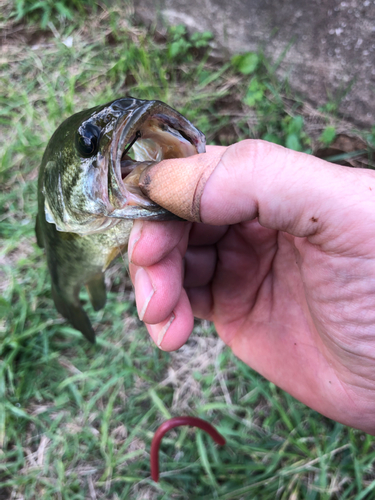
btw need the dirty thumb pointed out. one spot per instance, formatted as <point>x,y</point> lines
<point>178,184</point>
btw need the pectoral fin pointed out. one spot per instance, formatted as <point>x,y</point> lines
<point>97,291</point>
<point>75,314</point>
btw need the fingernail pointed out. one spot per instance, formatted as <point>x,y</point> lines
<point>163,328</point>
<point>135,236</point>
<point>144,291</point>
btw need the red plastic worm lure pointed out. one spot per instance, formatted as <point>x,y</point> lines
<point>176,422</point>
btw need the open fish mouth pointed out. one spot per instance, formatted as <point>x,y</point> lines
<point>151,133</point>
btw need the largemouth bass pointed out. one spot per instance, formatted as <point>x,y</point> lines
<point>88,194</point>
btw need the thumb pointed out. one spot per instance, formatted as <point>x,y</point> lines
<point>178,184</point>
<point>287,191</point>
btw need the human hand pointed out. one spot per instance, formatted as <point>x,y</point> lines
<point>283,264</point>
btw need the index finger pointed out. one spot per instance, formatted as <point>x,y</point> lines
<point>152,241</point>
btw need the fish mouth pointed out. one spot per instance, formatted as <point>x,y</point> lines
<point>149,134</point>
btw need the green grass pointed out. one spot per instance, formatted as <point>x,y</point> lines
<point>46,12</point>
<point>76,421</point>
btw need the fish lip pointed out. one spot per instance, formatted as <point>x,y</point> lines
<point>126,126</point>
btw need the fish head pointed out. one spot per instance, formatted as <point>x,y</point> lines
<point>91,166</point>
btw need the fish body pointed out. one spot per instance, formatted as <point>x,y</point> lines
<point>88,194</point>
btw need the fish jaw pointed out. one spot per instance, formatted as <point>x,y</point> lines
<point>163,134</point>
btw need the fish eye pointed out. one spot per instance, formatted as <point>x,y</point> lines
<point>87,140</point>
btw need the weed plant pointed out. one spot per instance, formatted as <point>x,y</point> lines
<point>76,421</point>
